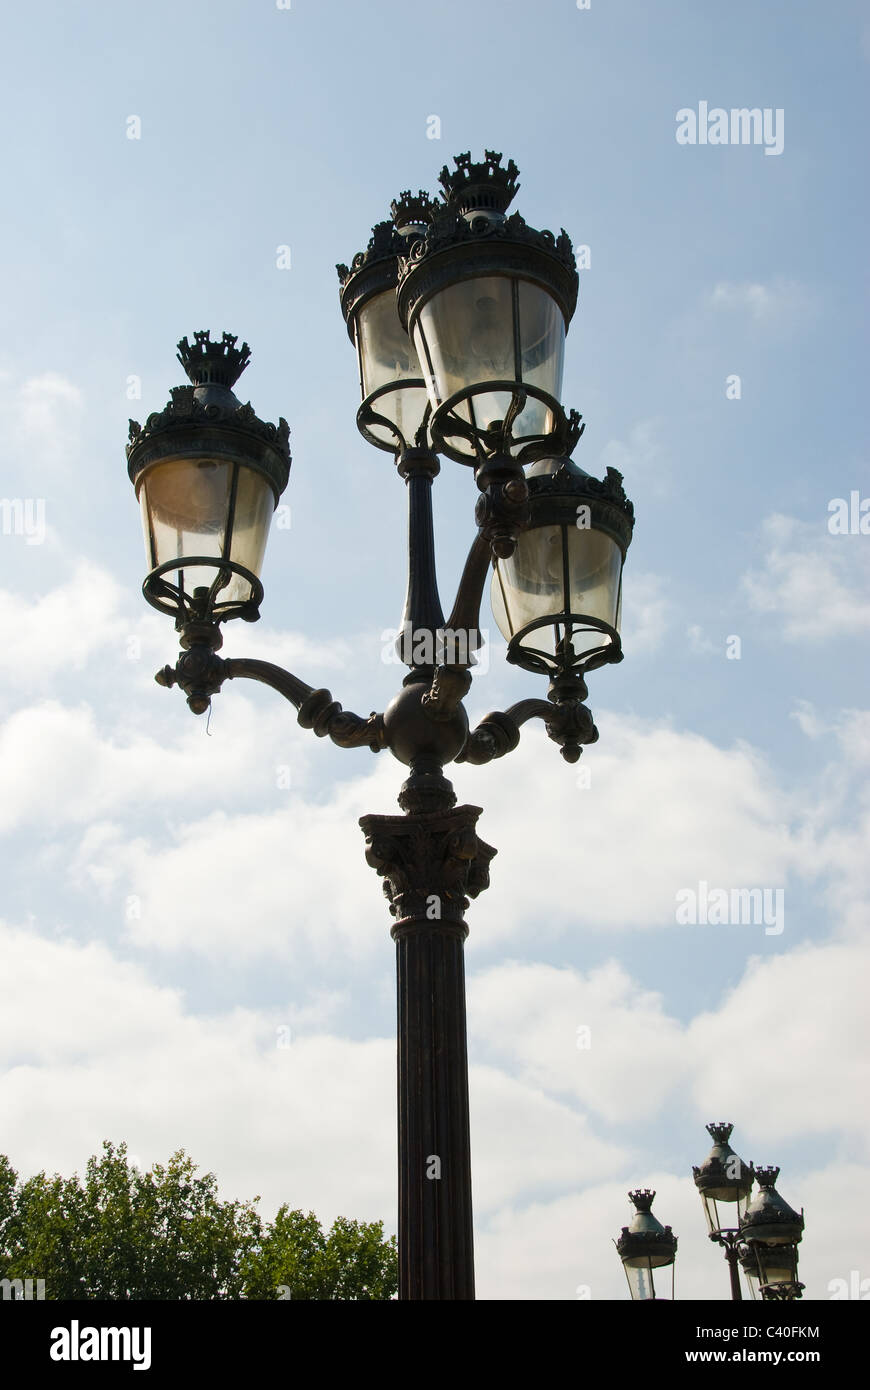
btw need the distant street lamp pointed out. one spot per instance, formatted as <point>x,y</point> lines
<point>648,1251</point>
<point>458,313</point>
<point>725,1182</point>
<point>771,1232</point>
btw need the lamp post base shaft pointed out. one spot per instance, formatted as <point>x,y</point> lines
<point>430,861</point>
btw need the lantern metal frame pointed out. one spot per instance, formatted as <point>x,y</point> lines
<point>772,1230</point>
<point>647,1240</point>
<point>554,500</point>
<point>713,1176</point>
<point>469,236</point>
<point>371,273</point>
<point>204,421</point>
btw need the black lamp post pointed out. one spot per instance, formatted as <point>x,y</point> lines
<point>486,301</point>
<point>771,1232</point>
<point>725,1182</point>
<point>648,1251</point>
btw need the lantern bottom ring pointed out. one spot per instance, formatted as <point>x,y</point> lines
<point>367,416</point>
<point>205,603</point>
<point>483,441</point>
<point>561,661</point>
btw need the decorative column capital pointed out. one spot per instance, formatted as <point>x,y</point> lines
<point>431,864</point>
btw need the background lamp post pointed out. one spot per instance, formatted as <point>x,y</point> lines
<point>725,1182</point>
<point>648,1251</point>
<point>487,301</point>
<point>772,1231</point>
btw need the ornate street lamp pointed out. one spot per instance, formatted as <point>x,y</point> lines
<point>772,1231</point>
<point>486,301</point>
<point>208,474</point>
<point>725,1182</point>
<point>648,1251</point>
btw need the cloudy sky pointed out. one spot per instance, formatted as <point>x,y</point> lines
<point>176,898</point>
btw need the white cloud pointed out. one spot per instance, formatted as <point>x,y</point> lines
<point>41,420</point>
<point>816,584</point>
<point>60,630</point>
<point>598,1038</point>
<point>682,808</point>
<point>799,1015</point>
<point>779,301</point>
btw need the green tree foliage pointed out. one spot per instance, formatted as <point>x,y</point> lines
<point>165,1234</point>
<point>295,1257</point>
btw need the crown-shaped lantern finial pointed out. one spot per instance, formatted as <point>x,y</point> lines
<point>485,187</point>
<point>412,209</point>
<point>719,1132</point>
<point>642,1198</point>
<point>208,363</point>
<point>767,1176</point>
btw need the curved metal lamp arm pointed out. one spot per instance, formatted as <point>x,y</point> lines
<point>200,673</point>
<point>288,685</point>
<point>317,709</point>
<point>569,723</point>
<point>461,637</point>
<point>465,616</point>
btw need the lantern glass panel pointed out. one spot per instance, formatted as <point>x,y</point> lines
<point>650,1278</point>
<point>777,1263</point>
<point>725,1209</point>
<point>751,1275</point>
<point>191,507</point>
<point>492,328</point>
<point>555,570</point>
<point>387,357</point>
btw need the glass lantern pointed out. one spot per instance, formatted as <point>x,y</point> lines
<point>487,301</point>
<point>557,598</point>
<point>724,1182</point>
<point>394,400</point>
<point>772,1231</point>
<point>648,1251</point>
<point>208,475</point>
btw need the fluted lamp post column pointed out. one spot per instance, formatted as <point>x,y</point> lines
<point>648,1251</point>
<point>458,313</point>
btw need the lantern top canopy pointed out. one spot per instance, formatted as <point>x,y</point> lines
<point>768,1217</point>
<point>206,416</point>
<point>470,235</point>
